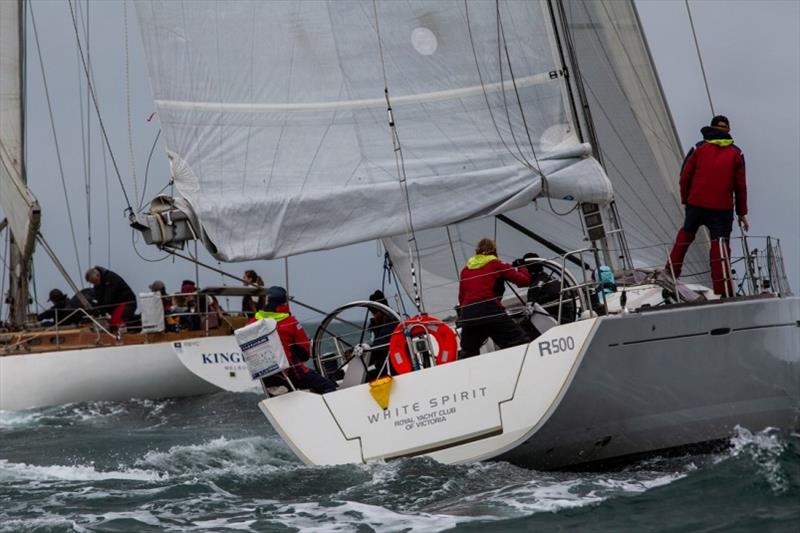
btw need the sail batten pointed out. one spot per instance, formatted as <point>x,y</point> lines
<point>357,104</point>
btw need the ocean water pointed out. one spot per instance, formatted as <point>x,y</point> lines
<point>213,463</point>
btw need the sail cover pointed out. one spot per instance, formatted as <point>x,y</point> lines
<point>17,202</point>
<point>639,149</point>
<point>275,113</point>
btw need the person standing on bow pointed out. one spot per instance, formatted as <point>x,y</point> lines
<point>481,314</point>
<point>712,184</point>
<point>295,343</point>
<point>113,295</point>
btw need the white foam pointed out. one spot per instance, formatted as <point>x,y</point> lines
<point>22,471</point>
<point>240,457</point>
<point>13,419</point>
<point>349,516</point>
<point>765,449</point>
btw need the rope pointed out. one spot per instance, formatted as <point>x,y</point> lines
<point>88,143</point>
<point>699,56</point>
<point>129,209</point>
<point>55,139</point>
<point>128,105</point>
<point>147,169</point>
<point>413,248</point>
<point>108,206</point>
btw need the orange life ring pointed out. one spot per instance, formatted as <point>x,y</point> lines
<point>444,335</point>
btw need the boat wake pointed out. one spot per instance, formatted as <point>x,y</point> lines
<point>185,476</point>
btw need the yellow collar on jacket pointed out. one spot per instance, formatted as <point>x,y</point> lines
<point>478,261</point>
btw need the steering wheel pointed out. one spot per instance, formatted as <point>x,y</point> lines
<point>345,333</point>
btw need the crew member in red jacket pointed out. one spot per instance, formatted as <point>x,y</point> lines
<point>712,183</point>
<point>295,344</point>
<point>480,290</point>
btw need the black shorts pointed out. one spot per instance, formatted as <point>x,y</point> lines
<point>718,221</point>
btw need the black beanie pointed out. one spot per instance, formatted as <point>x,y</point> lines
<point>721,122</point>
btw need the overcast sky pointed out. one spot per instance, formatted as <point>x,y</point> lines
<point>752,56</point>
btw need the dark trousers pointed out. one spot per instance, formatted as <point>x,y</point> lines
<point>302,380</point>
<point>496,325</point>
<point>718,221</point>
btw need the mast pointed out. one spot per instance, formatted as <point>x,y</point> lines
<point>18,203</point>
<point>599,222</point>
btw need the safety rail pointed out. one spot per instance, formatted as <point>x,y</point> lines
<point>89,320</point>
<point>762,271</point>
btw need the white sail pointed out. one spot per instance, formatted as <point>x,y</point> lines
<point>639,149</point>
<point>639,146</point>
<point>282,134</point>
<point>17,202</point>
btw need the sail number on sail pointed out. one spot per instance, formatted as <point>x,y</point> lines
<point>555,346</point>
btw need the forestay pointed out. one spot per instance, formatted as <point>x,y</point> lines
<point>275,114</point>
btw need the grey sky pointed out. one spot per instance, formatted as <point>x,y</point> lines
<point>751,51</point>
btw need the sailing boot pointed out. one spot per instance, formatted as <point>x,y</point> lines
<point>721,278</point>
<point>682,242</point>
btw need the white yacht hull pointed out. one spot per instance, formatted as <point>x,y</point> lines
<point>158,370</point>
<point>590,391</point>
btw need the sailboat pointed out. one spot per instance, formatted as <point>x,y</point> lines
<point>62,364</point>
<point>300,126</point>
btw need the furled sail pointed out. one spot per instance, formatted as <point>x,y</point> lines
<point>275,117</point>
<point>639,149</point>
<point>17,202</point>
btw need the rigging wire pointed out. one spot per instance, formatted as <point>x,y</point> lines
<point>88,144</point>
<point>86,127</point>
<point>128,103</point>
<point>129,208</point>
<point>401,171</point>
<point>147,170</point>
<point>545,184</point>
<point>55,138</point>
<point>108,205</point>
<point>699,56</point>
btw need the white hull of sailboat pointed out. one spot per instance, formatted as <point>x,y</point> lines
<point>117,373</point>
<point>594,390</point>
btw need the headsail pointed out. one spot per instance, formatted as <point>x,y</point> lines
<point>17,202</point>
<point>276,117</point>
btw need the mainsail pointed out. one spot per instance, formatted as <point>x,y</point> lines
<point>17,202</point>
<point>275,117</point>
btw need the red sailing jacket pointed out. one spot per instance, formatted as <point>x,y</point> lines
<point>482,280</point>
<point>712,174</point>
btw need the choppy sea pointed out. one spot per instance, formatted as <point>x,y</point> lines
<point>213,463</point>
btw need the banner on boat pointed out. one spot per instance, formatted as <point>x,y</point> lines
<point>261,348</point>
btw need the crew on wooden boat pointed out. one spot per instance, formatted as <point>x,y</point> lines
<point>113,295</point>
<point>63,309</point>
